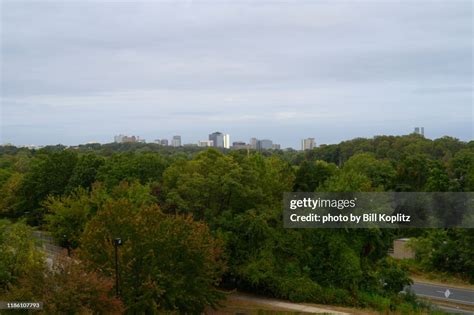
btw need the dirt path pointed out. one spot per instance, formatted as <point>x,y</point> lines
<point>283,305</point>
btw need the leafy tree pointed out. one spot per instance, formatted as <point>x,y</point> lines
<point>85,172</point>
<point>144,167</point>
<point>204,186</point>
<point>67,288</point>
<point>412,173</point>
<point>447,250</point>
<point>49,175</point>
<point>166,262</point>
<point>18,255</point>
<point>311,175</point>
<point>380,172</point>
<point>351,181</point>
<point>67,216</point>
<point>462,168</point>
<point>9,196</point>
<point>438,179</point>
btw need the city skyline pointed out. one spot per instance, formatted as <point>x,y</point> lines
<point>74,72</point>
<point>177,141</point>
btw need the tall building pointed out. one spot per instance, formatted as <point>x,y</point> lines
<point>276,146</point>
<point>253,143</point>
<point>226,141</point>
<point>308,144</point>
<point>218,139</point>
<point>176,141</point>
<point>264,144</point>
<point>420,131</point>
<point>164,142</point>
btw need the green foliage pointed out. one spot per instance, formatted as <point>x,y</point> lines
<point>380,172</point>
<point>143,167</point>
<point>347,181</point>
<point>9,196</point>
<point>462,167</point>
<point>166,262</point>
<point>412,173</point>
<point>448,250</point>
<point>311,175</point>
<point>18,255</point>
<point>67,216</point>
<point>49,175</point>
<point>98,192</point>
<point>67,288</point>
<point>85,172</point>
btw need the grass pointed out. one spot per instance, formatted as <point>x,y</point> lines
<point>417,273</point>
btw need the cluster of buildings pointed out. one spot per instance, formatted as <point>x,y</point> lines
<point>220,140</point>
<point>420,131</point>
<point>125,139</point>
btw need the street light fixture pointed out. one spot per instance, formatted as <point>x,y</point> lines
<point>117,243</point>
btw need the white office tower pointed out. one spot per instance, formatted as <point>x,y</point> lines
<point>226,141</point>
<point>308,144</point>
<point>176,141</point>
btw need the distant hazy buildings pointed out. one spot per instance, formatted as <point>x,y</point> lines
<point>176,141</point>
<point>162,142</point>
<point>264,144</point>
<point>308,144</point>
<point>239,145</point>
<point>217,140</point>
<point>205,143</point>
<point>124,139</point>
<point>253,143</point>
<point>420,131</point>
<point>220,140</point>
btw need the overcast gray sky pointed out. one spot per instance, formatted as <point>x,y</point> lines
<point>79,71</point>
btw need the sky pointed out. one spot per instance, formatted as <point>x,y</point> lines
<point>80,71</point>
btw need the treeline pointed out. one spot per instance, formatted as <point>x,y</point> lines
<point>195,220</point>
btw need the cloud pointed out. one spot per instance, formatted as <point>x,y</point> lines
<point>248,67</point>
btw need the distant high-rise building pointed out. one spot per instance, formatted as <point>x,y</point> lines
<point>123,139</point>
<point>253,143</point>
<point>276,146</point>
<point>164,142</point>
<point>226,141</point>
<point>420,131</point>
<point>264,144</point>
<point>239,145</point>
<point>176,141</point>
<point>218,139</point>
<point>205,143</point>
<point>308,144</point>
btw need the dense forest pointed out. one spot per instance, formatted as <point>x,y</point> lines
<point>194,222</point>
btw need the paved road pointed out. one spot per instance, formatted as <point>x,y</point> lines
<point>440,292</point>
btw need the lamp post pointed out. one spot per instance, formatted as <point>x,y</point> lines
<point>67,244</point>
<point>117,243</point>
